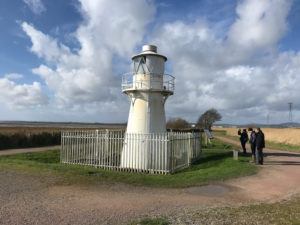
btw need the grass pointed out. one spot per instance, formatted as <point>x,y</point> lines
<point>151,221</point>
<point>216,164</point>
<point>286,139</point>
<point>282,146</point>
<point>283,212</point>
<point>269,144</point>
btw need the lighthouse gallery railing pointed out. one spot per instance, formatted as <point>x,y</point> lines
<point>167,83</point>
<point>166,152</point>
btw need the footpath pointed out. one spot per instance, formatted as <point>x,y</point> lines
<point>25,150</point>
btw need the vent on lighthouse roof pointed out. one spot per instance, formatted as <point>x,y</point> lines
<point>149,48</point>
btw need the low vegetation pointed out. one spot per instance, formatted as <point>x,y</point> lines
<point>279,213</point>
<point>280,135</point>
<point>38,136</point>
<point>151,221</point>
<point>23,140</point>
<point>216,164</point>
<point>283,212</point>
<point>177,123</point>
<point>289,136</point>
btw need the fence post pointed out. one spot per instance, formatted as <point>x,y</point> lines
<point>61,147</point>
<point>106,146</point>
<point>97,147</point>
<point>235,154</point>
<point>171,144</point>
<point>189,149</point>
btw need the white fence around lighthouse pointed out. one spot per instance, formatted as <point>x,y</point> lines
<point>152,153</point>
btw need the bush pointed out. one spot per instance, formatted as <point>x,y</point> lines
<point>177,123</point>
<point>22,140</point>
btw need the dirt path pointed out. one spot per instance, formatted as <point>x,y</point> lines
<point>24,150</point>
<point>278,178</point>
<point>34,199</point>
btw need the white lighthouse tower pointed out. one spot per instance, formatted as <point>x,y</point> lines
<point>148,89</point>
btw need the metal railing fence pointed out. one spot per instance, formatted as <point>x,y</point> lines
<point>152,153</point>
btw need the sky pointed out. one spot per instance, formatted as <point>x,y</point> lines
<point>63,60</point>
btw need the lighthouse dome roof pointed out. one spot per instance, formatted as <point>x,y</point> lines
<point>149,50</point>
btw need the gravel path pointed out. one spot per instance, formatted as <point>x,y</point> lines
<point>36,199</point>
<point>24,150</point>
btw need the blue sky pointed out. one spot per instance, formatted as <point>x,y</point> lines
<point>62,60</point>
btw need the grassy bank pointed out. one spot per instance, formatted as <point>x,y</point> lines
<point>269,144</point>
<point>216,164</point>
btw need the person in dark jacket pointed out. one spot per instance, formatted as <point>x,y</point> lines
<point>243,138</point>
<point>252,142</point>
<point>260,145</point>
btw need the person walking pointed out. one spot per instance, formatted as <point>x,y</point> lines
<point>252,141</point>
<point>260,145</point>
<point>244,138</point>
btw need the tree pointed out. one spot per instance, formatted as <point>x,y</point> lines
<point>207,119</point>
<point>177,123</point>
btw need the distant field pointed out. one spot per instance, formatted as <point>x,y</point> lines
<point>38,134</point>
<point>44,127</point>
<point>38,130</point>
<point>289,136</point>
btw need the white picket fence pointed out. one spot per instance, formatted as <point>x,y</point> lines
<point>152,153</point>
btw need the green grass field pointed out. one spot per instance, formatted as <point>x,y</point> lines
<point>216,164</point>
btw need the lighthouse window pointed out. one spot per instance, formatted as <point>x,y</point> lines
<point>140,65</point>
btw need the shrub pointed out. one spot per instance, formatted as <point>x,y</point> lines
<point>23,140</point>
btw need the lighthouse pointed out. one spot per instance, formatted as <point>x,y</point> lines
<point>148,88</point>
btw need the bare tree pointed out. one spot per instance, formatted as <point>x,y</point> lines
<point>207,119</point>
<point>177,123</point>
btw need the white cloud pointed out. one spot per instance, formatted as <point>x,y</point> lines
<point>260,24</point>
<point>36,6</point>
<point>21,95</point>
<point>240,73</point>
<point>110,29</point>
<point>13,76</point>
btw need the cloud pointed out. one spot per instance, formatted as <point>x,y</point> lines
<point>13,76</point>
<point>241,72</point>
<point>111,30</point>
<point>36,6</point>
<point>21,95</point>
<point>259,24</point>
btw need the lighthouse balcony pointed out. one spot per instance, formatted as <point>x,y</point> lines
<point>164,83</point>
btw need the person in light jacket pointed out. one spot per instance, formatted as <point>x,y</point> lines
<point>252,142</point>
<point>260,145</point>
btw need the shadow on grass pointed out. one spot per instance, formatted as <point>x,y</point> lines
<point>212,157</point>
<point>282,163</point>
<point>46,157</point>
<point>282,154</point>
